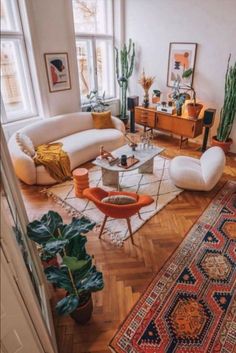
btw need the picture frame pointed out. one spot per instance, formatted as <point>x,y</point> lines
<point>58,72</point>
<point>182,56</point>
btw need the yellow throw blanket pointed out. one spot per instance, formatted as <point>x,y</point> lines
<point>55,160</point>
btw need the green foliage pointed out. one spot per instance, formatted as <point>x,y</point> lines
<point>96,103</point>
<point>180,97</point>
<point>124,69</point>
<point>228,111</point>
<point>67,305</point>
<point>76,274</point>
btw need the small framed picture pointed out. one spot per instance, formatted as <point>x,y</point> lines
<point>58,73</point>
<point>182,57</point>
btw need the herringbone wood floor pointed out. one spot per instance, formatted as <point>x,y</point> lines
<point>128,270</point>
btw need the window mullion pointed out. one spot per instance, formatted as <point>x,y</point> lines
<point>95,71</point>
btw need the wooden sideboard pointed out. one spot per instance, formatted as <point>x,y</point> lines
<point>182,126</point>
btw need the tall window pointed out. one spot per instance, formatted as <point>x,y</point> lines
<point>93,21</point>
<point>16,86</point>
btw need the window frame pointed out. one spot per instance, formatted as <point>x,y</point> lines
<point>18,36</point>
<point>79,36</point>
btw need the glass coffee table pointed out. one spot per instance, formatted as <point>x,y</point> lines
<point>110,173</point>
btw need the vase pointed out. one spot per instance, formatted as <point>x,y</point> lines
<point>146,99</point>
<point>179,111</point>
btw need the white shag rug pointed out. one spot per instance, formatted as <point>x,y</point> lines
<point>158,185</point>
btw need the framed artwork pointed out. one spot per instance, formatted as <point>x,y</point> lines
<point>58,73</point>
<point>181,57</point>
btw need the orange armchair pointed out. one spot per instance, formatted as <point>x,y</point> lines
<point>117,211</point>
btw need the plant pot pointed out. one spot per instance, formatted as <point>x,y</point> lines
<point>84,312</point>
<point>51,262</point>
<point>194,110</point>
<point>225,145</point>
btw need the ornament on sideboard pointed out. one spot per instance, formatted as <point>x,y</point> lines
<point>156,96</point>
<point>146,83</point>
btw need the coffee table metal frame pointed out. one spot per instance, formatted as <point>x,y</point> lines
<point>110,173</point>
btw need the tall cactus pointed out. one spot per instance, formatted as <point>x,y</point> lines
<point>124,69</point>
<point>228,110</point>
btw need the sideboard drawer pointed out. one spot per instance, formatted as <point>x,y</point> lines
<point>145,117</point>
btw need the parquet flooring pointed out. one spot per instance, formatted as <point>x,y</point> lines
<point>127,271</point>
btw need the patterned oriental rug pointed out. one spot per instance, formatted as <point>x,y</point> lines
<point>158,185</point>
<point>190,306</point>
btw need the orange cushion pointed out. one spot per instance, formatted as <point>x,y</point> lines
<point>102,120</point>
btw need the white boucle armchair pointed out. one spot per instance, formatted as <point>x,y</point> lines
<point>78,136</point>
<point>198,174</point>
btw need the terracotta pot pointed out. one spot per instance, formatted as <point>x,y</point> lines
<point>84,312</point>
<point>225,145</point>
<point>194,110</point>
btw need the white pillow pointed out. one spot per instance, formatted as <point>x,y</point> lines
<point>119,199</point>
<point>25,144</point>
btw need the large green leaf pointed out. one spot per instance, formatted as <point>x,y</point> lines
<point>80,274</point>
<point>67,305</point>
<point>38,232</point>
<point>60,277</point>
<point>92,281</point>
<point>73,263</point>
<point>76,227</point>
<point>76,247</point>
<point>46,229</point>
<point>52,220</point>
<point>187,73</point>
<point>55,246</point>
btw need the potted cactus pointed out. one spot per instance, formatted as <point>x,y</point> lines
<point>74,270</point>
<point>228,111</point>
<point>124,69</point>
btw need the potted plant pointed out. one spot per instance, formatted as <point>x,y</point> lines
<point>178,97</point>
<point>75,272</point>
<point>193,108</point>
<point>124,69</point>
<point>96,103</point>
<point>228,111</point>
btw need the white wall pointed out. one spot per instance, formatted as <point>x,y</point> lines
<point>52,31</point>
<point>153,24</point>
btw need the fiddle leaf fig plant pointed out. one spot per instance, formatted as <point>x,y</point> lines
<point>76,272</point>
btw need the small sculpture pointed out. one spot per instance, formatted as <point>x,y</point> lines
<point>132,143</point>
<point>105,154</point>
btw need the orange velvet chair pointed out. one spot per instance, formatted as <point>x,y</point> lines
<point>117,211</point>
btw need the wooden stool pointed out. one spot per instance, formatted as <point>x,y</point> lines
<point>81,181</point>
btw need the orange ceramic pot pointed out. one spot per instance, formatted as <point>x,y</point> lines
<point>194,110</point>
<point>225,145</point>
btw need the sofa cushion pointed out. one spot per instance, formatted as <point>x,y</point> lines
<point>85,145</point>
<point>102,120</point>
<point>119,199</point>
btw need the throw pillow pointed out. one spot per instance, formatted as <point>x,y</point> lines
<point>102,120</point>
<point>119,199</point>
<point>25,144</point>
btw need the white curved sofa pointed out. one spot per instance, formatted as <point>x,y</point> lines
<point>80,140</point>
<point>198,174</point>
